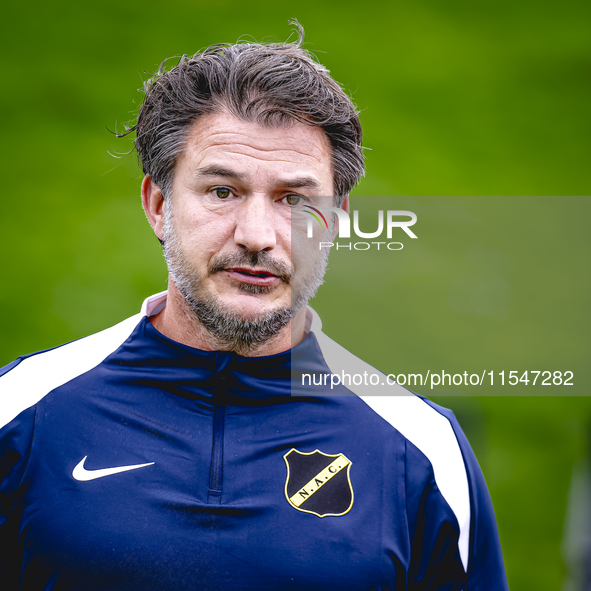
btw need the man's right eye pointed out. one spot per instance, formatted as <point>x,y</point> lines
<point>293,200</point>
<point>222,192</point>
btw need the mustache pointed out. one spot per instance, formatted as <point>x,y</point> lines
<point>259,259</point>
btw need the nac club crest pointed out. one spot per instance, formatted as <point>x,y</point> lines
<point>318,483</point>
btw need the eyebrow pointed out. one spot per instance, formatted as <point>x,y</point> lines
<point>215,170</point>
<point>298,183</point>
<point>293,183</point>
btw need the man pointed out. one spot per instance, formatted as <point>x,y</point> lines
<point>178,449</point>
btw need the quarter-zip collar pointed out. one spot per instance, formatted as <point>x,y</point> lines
<point>193,373</point>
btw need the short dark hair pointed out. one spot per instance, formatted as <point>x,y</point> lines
<point>270,84</point>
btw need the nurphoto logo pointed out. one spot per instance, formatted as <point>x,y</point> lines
<point>394,219</point>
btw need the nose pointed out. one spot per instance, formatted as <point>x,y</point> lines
<point>255,227</point>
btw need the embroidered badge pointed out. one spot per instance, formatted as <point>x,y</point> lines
<point>318,483</point>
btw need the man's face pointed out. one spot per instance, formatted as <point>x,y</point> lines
<point>238,192</point>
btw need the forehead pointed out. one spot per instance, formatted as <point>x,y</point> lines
<point>251,147</point>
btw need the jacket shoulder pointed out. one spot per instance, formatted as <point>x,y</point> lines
<point>436,434</point>
<point>28,379</point>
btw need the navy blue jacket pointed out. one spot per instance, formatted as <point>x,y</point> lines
<point>130,461</point>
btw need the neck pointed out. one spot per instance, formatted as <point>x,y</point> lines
<point>178,322</point>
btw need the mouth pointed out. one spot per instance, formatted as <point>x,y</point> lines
<point>260,277</point>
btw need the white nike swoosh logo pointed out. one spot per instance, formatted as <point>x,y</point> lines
<point>81,474</point>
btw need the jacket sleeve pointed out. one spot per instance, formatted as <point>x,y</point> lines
<point>485,570</point>
<point>435,563</point>
<point>15,445</point>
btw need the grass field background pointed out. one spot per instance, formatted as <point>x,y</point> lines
<point>458,99</point>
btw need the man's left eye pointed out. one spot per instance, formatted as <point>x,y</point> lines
<point>222,193</point>
<point>293,199</point>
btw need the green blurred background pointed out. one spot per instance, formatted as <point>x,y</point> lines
<point>458,99</point>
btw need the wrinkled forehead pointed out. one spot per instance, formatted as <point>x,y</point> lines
<point>290,146</point>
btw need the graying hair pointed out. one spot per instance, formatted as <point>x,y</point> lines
<point>269,84</point>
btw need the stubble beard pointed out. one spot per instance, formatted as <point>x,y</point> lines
<point>228,328</point>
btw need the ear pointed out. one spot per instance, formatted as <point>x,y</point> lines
<point>345,204</point>
<point>154,205</point>
<point>345,207</point>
